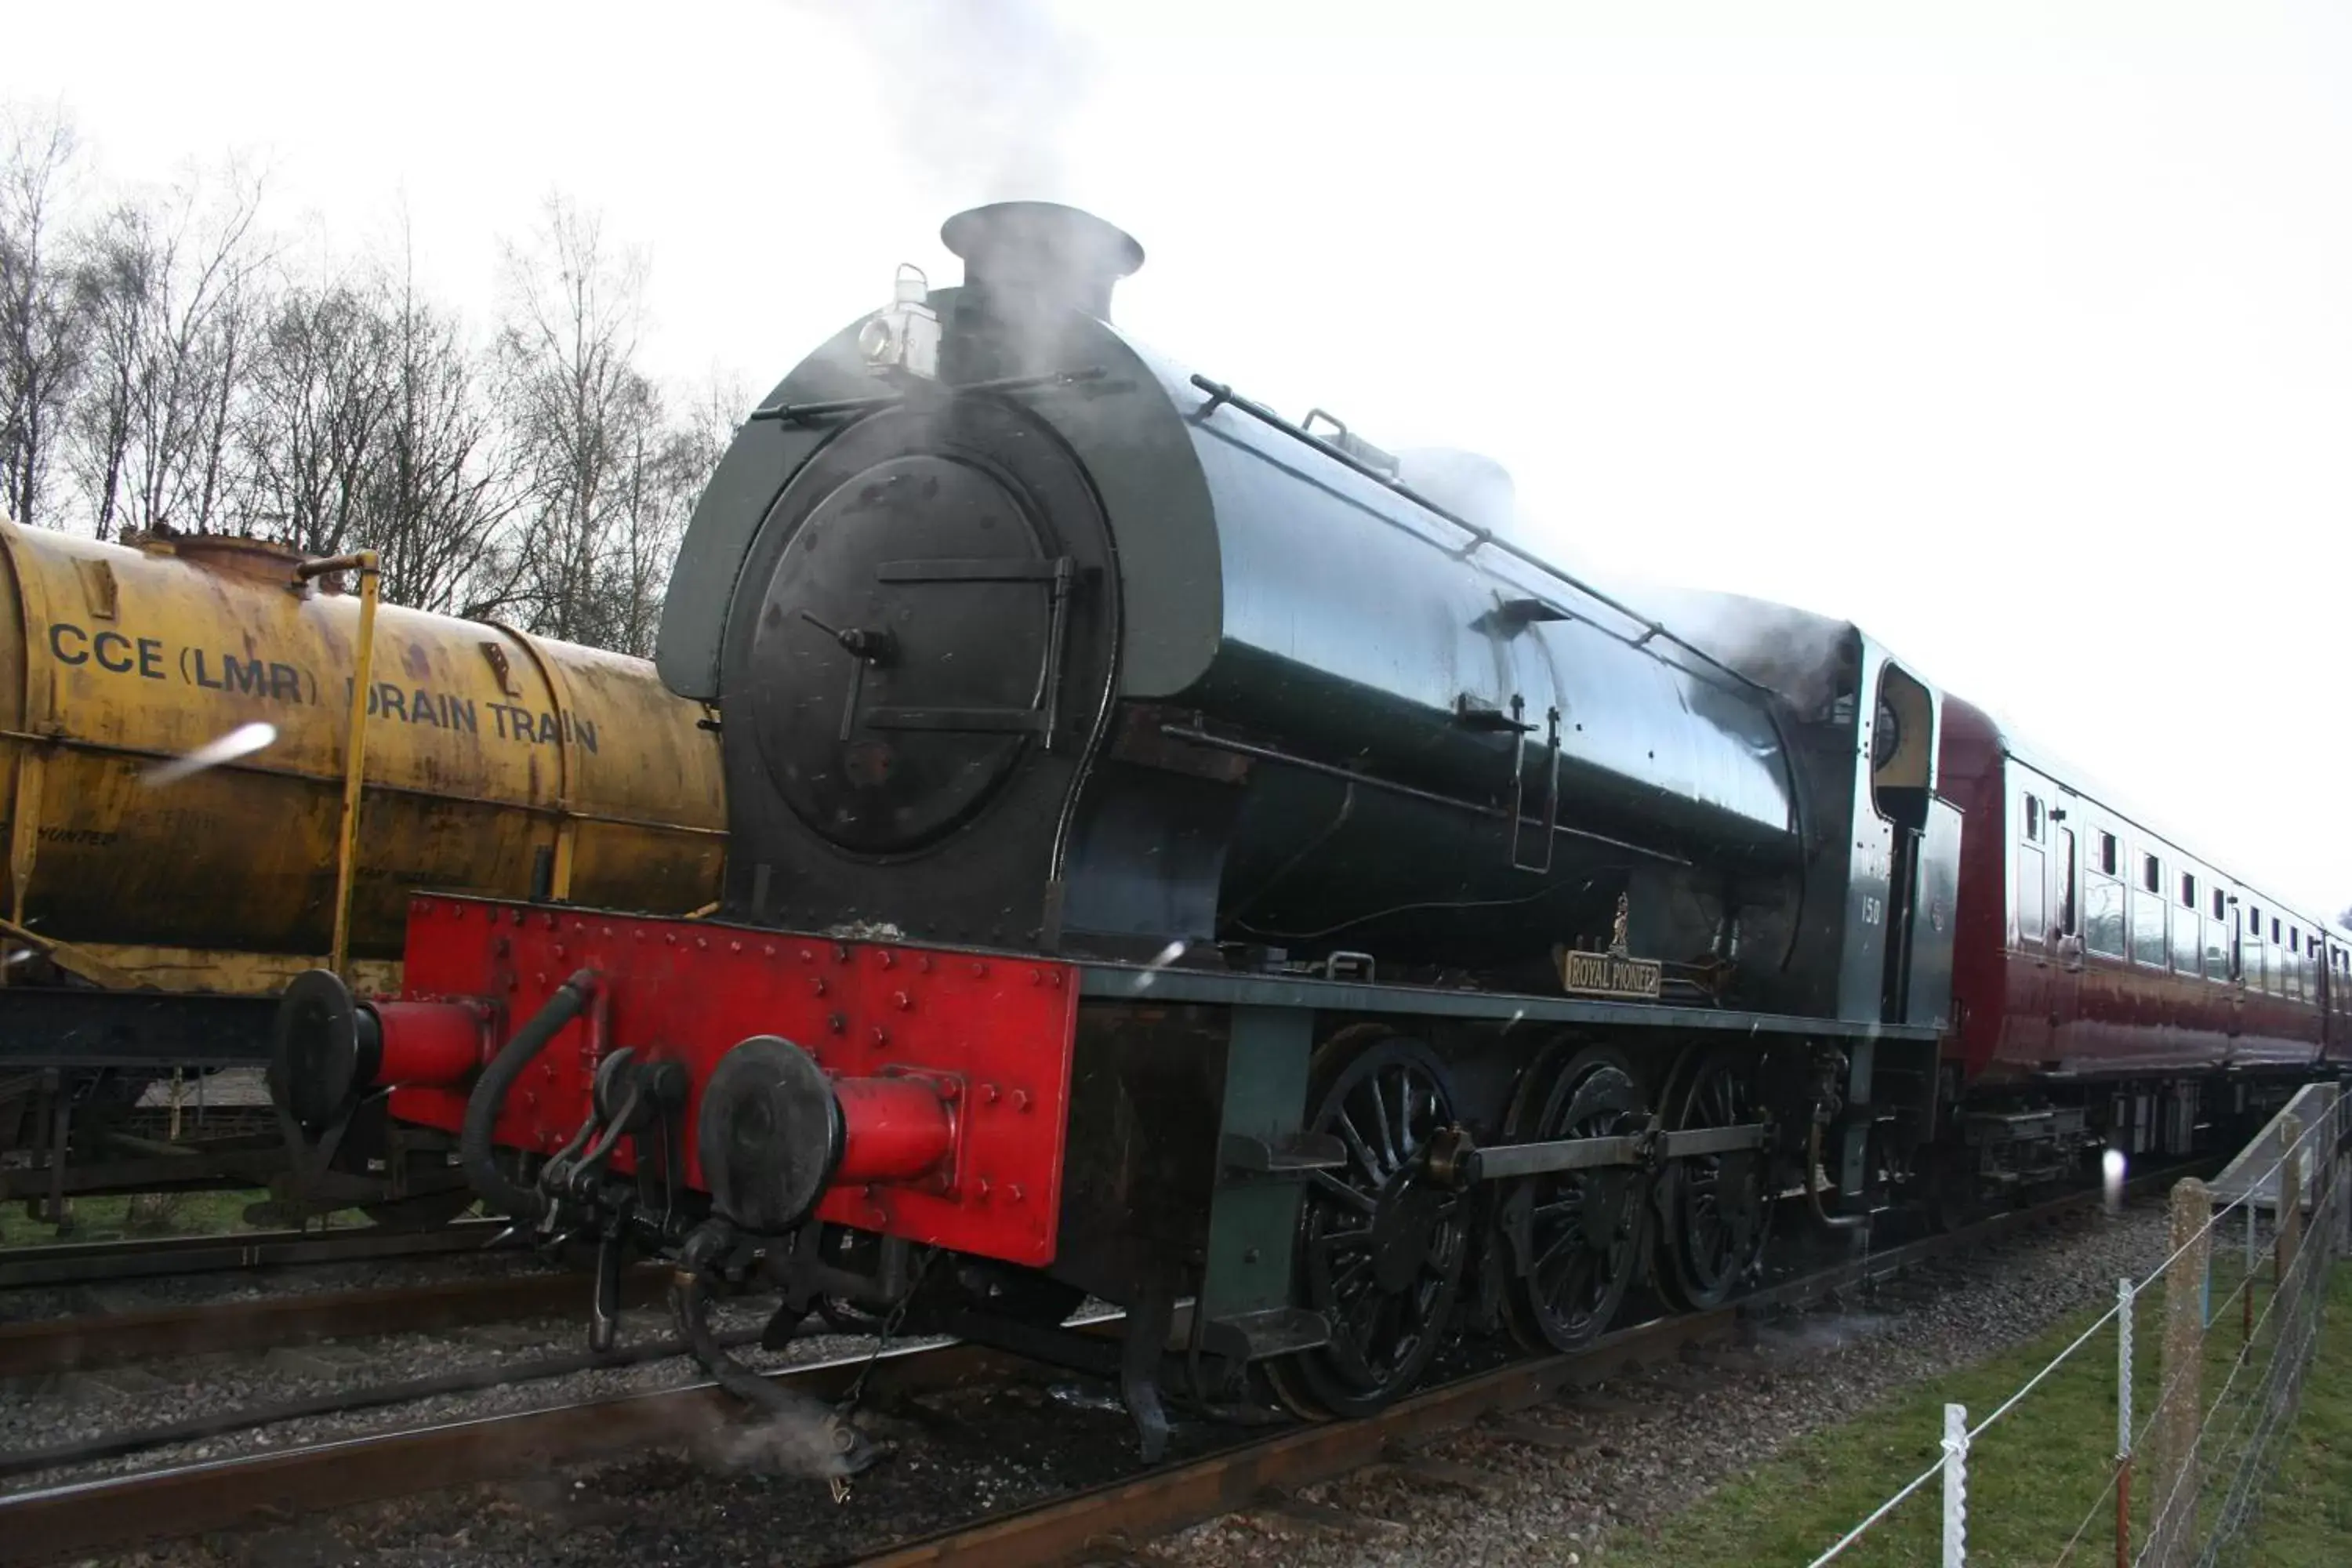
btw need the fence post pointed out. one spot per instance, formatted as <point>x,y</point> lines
<point>2123,1422</point>
<point>2336,1157</point>
<point>2290,1226</point>
<point>1955,1486</point>
<point>2343,1213</point>
<point>2172,1526</point>
<point>2246,1283</point>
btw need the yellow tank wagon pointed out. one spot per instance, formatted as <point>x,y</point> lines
<point>150,916</point>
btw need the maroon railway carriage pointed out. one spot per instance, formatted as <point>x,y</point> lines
<point>2109,985</point>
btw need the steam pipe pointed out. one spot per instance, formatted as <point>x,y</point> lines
<point>475,1150</point>
<point>840,1448</point>
<point>1814,1192</point>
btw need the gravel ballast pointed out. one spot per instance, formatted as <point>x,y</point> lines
<point>1683,1431</point>
<point>1651,1444</point>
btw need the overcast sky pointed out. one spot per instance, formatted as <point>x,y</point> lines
<point>2020,332</point>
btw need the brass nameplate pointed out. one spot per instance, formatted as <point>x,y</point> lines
<point>1611,975</point>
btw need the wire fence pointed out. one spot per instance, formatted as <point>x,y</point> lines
<point>2189,1471</point>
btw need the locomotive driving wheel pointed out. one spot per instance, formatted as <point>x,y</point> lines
<point>1718,1213</point>
<point>1577,1234</point>
<point>1382,1244</point>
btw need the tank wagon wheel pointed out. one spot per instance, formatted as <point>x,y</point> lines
<point>1577,1234</point>
<point>1718,1214</point>
<point>1381,1245</point>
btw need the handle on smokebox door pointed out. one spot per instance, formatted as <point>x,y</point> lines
<point>355,754</point>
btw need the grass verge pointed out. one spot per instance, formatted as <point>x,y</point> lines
<point>116,1217</point>
<point>2307,1510</point>
<point>2045,1471</point>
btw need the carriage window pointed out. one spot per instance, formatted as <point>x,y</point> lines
<point>2148,938</point>
<point>2188,891</point>
<point>2033,920</point>
<point>2103,916</point>
<point>2217,951</point>
<point>2107,854</point>
<point>2186,953</point>
<point>2034,817</point>
<point>2255,920</point>
<point>2275,927</point>
<point>2218,912</point>
<point>2151,874</point>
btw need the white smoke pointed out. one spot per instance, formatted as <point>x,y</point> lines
<point>1794,652</point>
<point>979,93</point>
<point>779,1444</point>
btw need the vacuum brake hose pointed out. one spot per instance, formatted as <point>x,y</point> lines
<point>475,1154</point>
<point>806,1428</point>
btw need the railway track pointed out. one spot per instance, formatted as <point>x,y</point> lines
<point>67,1345</point>
<point>118,1511</point>
<point>1267,1470</point>
<point>100,1262</point>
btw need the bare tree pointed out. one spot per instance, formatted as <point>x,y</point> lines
<point>159,357</point>
<point>319,396</point>
<point>115,295</point>
<point>41,329</point>
<point>666,473</point>
<point>596,461</point>
<point>169,296</point>
<point>440,488</point>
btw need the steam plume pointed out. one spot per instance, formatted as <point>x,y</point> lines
<point>980,92</point>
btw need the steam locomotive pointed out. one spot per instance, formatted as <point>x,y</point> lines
<point>1177,854</point>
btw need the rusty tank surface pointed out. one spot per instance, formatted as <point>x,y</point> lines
<point>189,824</point>
<point>494,762</point>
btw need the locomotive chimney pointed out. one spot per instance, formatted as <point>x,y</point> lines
<point>1028,257</point>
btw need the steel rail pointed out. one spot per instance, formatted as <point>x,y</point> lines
<point>118,1512</point>
<point>342,1402</point>
<point>93,1262</point>
<point>1175,1497</point>
<point>66,1344</point>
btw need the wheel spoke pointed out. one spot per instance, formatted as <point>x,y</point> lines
<point>1388,1145</point>
<point>1347,1238</point>
<point>1331,1186</point>
<point>1355,1141</point>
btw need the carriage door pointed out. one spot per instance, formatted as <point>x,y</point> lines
<point>2331,1000</point>
<point>2033,1006</point>
<point>2066,943</point>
